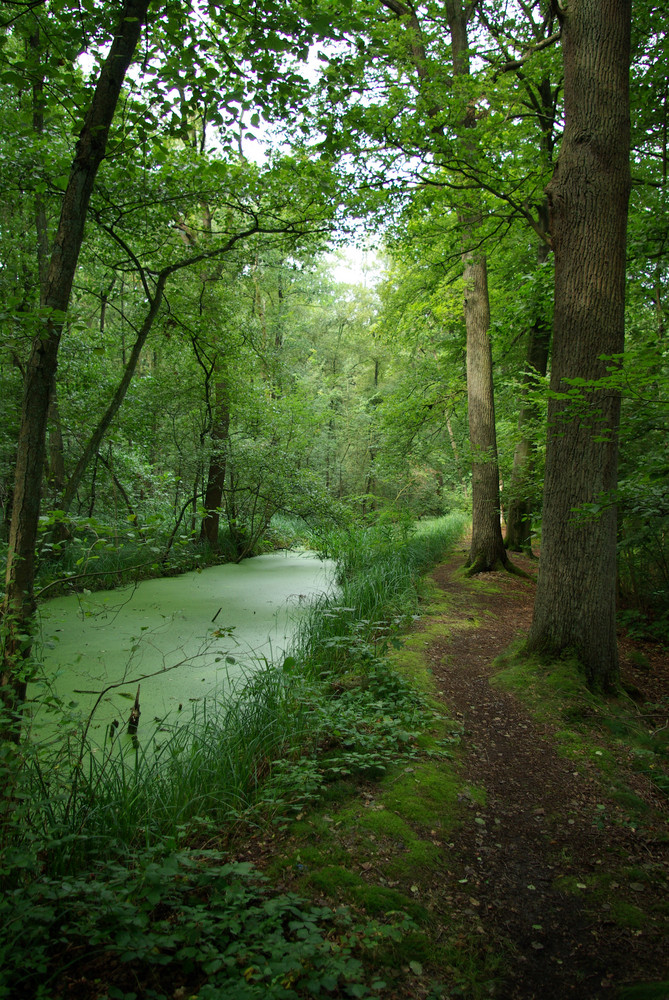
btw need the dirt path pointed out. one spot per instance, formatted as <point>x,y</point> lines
<point>555,871</point>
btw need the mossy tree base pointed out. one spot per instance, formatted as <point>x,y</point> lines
<point>481,563</point>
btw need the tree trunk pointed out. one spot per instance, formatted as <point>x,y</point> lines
<point>520,508</point>
<point>93,445</point>
<point>588,195</point>
<point>118,485</point>
<point>213,496</point>
<point>487,550</point>
<point>18,605</point>
<point>56,464</point>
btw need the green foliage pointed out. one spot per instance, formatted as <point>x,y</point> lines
<point>99,555</point>
<point>182,917</point>
<point>92,838</point>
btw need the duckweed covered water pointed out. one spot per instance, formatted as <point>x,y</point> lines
<point>177,638</point>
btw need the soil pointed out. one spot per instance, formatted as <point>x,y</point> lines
<point>548,823</point>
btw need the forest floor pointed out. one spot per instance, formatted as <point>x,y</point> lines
<point>538,867</point>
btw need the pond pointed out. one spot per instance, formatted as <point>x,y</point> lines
<point>177,638</point>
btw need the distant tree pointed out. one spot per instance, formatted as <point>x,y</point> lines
<point>486,551</point>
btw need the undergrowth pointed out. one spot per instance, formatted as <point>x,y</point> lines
<point>102,848</point>
<point>217,928</point>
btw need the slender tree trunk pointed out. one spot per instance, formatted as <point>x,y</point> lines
<point>213,496</point>
<point>487,550</point>
<point>93,445</point>
<point>521,487</point>
<point>118,485</point>
<point>575,603</point>
<point>18,605</point>
<point>56,447</point>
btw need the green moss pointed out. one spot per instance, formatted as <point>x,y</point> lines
<point>376,847</point>
<point>577,885</point>
<point>340,883</point>
<point>414,947</point>
<point>383,822</point>
<point>637,873</point>
<point>409,661</point>
<point>645,991</point>
<point>630,801</point>
<point>378,900</point>
<point>312,854</point>
<point>331,879</point>
<point>589,726</point>
<point>426,792</point>
<point>538,682</point>
<point>628,915</point>
<point>482,585</point>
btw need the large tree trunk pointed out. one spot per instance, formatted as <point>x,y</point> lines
<point>575,603</point>
<point>18,605</point>
<point>56,452</point>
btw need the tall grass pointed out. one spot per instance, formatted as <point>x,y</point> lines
<point>74,801</point>
<point>244,758</point>
<point>378,573</point>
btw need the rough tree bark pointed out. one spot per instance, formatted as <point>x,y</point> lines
<point>18,605</point>
<point>588,195</point>
<point>56,453</point>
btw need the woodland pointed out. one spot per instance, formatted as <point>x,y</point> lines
<point>188,377</point>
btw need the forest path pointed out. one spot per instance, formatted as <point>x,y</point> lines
<point>551,867</point>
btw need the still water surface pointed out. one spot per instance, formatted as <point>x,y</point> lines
<point>194,633</point>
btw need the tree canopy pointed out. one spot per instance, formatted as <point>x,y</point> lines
<point>178,360</point>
